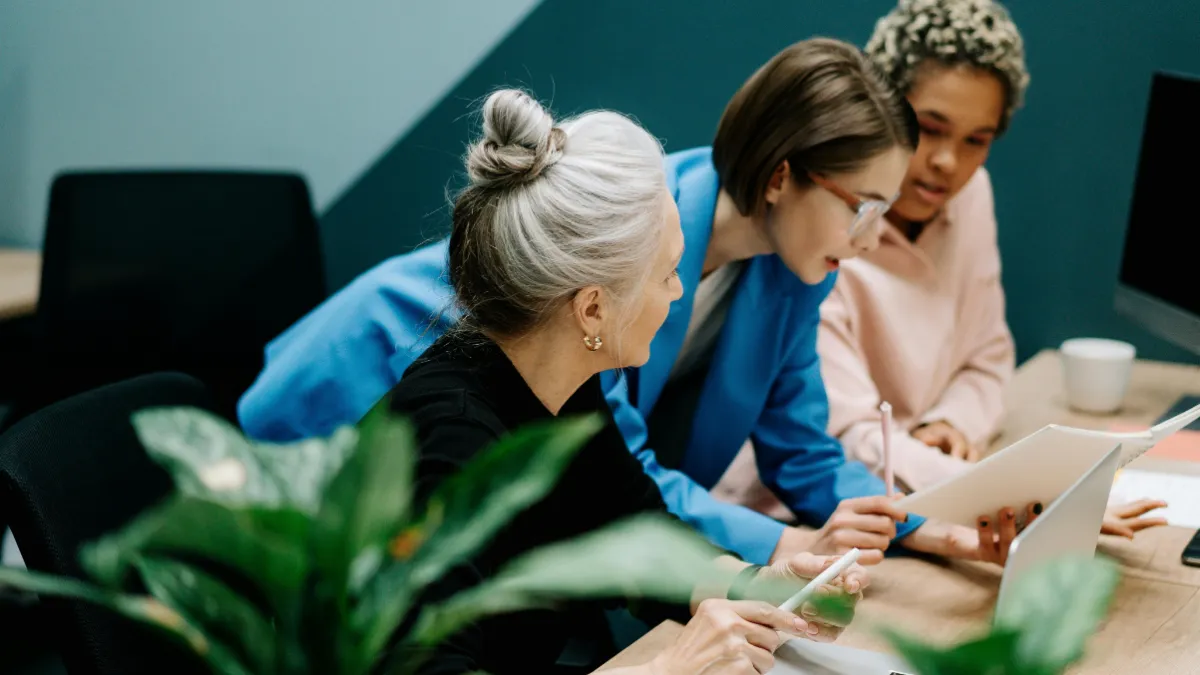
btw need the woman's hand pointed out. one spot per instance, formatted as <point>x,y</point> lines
<point>845,589</point>
<point>944,539</point>
<point>1126,520</point>
<point>989,541</point>
<point>865,523</point>
<point>949,440</point>
<point>725,636</point>
<point>996,533</point>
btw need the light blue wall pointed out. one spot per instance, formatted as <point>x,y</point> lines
<point>311,85</point>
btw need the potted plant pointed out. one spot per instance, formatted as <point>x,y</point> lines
<point>328,552</point>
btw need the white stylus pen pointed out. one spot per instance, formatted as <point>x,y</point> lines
<point>823,578</point>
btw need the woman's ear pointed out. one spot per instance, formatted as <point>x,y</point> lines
<point>775,184</point>
<point>589,307</point>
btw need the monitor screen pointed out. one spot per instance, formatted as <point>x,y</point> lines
<point>1161,257</point>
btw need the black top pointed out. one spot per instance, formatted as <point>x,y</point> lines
<point>462,395</point>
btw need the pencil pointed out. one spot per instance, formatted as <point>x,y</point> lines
<point>886,422</point>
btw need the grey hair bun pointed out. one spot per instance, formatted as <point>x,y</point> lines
<point>519,141</point>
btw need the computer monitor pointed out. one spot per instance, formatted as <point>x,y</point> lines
<point>1160,269</point>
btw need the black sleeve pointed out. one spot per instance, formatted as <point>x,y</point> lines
<point>460,653</point>
<point>445,449</point>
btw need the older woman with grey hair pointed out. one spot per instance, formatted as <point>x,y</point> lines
<point>563,255</point>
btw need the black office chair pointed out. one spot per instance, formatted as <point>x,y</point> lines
<point>189,271</point>
<point>72,472</point>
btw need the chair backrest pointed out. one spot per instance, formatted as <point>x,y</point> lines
<point>72,472</point>
<point>190,271</point>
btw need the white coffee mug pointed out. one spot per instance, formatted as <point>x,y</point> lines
<point>1096,373</point>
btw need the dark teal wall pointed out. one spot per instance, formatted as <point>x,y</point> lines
<point>1063,175</point>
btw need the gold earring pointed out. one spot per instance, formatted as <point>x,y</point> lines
<point>593,345</point>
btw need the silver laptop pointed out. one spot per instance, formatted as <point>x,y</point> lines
<point>1070,526</point>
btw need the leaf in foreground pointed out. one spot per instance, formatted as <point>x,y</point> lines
<point>368,499</point>
<point>647,556</point>
<point>267,546</point>
<point>144,609</point>
<point>210,458</point>
<point>1057,607</point>
<point>991,654</point>
<point>471,506</point>
<point>226,617</point>
<point>465,512</point>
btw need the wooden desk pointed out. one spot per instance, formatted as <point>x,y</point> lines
<point>20,275</point>
<point>1154,625</point>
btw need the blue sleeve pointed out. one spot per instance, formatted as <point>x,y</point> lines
<point>314,381</point>
<point>749,534</point>
<point>336,363</point>
<point>797,458</point>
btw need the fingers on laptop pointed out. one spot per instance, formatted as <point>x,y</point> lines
<point>996,534</point>
<point>1032,511</point>
<point>988,544</point>
<point>1007,532</point>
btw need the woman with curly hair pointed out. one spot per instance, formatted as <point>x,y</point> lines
<point>920,322</point>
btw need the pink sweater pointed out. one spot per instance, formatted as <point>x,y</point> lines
<point>920,325</point>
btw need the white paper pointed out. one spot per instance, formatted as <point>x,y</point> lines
<point>1181,493</point>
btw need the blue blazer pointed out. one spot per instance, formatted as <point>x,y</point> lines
<point>764,382</point>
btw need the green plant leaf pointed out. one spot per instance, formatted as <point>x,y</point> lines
<point>1041,628</point>
<point>210,458</point>
<point>363,507</point>
<point>838,608</point>
<point>144,609</point>
<point>1057,606</point>
<point>464,513</point>
<point>647,556</point>
<point>991,654</point>
<point>367,501</point>
<point>232,624</point>
<point>267,546</point>
<point>469,507</point>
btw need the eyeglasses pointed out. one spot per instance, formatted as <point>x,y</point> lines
<point>868,213</point>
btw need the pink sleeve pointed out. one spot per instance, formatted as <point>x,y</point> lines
<point>973,402</point>
<point>854,417</point>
